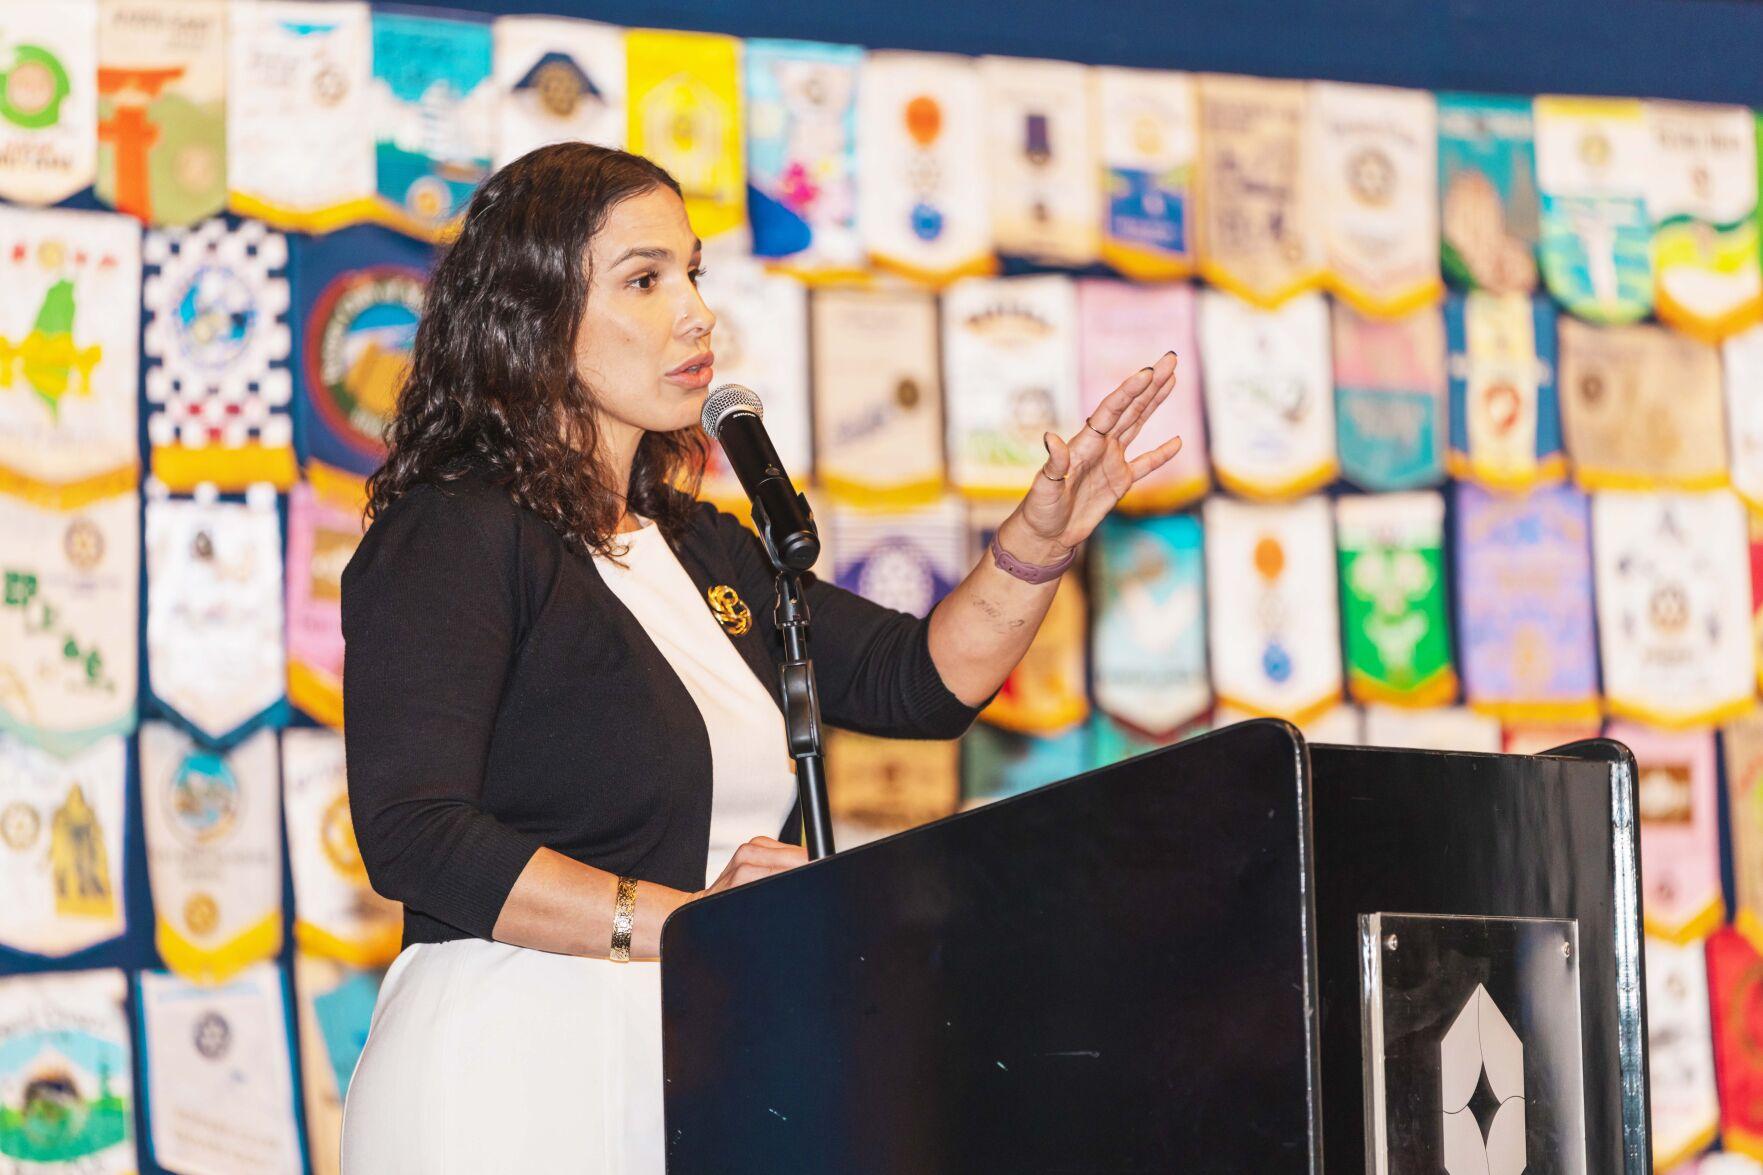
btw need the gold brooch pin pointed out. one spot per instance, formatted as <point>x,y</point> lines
<point>730,610</point>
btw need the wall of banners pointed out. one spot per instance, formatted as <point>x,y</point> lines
<point>1471,394</point>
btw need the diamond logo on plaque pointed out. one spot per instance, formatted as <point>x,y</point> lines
<point>1472,1047</point>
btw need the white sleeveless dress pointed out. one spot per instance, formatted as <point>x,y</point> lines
<point>483,1056</point>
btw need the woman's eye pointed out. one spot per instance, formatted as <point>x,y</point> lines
<point>644,281</point>
<point>697,275</point>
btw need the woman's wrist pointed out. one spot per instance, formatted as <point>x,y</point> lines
<point>1018,540</point>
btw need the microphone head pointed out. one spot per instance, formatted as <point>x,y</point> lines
<point>726,399</point>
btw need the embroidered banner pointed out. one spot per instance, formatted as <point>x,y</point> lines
<point>1394,598</point>
<point>1148,135</point>
<point>1120,328</point>
<point>1702,198</point>
<point>1741,743</point>
<point>1041,159</point>
<point>1374,151</point>
<point>324,527</point>
<point>1524,604</point>
<point>1271,616</point>
<point>1269,390</point>
<point>300,130</point>
<point>1148,636</point>
<point>685,114</point>
<point>1741,361</point>
<point>1488,202</point>
<point>1505,418</point>
<point>357,298</point>
<point>61,866</point>
<point>1680,1062</point>
<point>220,1090</point>
<point>162,109</point>
<point>1674,606</point>
<point>1641,407</point>
<point>66,1073</point>
<point>337,914</point>
<point>335,1008</point>
<point>561,81</point>
<point>1735,989</point>
<point>761,342</point>
<point>69,324</point>
<point>1593,155</point>
<point>921,176</point>
<point>48,99</point>
<point>1680,829</point>
<point>1010,358</point>
<point>214,610</point>
<point>878,396</point>
<point>67,621</point>
<point>996,764</point>
<point>1045,694</point>
<point>802,155</point>
<point>906,559</point>
<point>434,118</point>
<point>214,858</point>
<point>220,392</point>
<point>1390,398</point>
<point>1258,233</point>
<point>891,783</point>
<point>1440,728</point>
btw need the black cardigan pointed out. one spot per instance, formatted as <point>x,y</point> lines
<point>498,697</point>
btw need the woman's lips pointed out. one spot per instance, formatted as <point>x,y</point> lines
<point>694,373</point>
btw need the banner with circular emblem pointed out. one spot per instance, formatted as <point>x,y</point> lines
<point>213,823</point>
<point>802,156</point>
<point>1148,132</point>
<point>685,114</point>
<point>1041,159</point>
<point>1505,416</point>
<point>1702,199</point>
<point>61,866</point>
<point>559,80</point>
<point>1593,155</point>
<point>300,135</point>
<point>65,1064</point>
<point>1148,632</point>
<point>48,99</point>
<point>219,1088</point>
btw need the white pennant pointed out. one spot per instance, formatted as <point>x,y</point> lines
<point>1043,160</point>
<point>61,868</point>
<point>48,99</point>
<point>337,914</point>
<point>65,1063</point>
<point>560,81</point>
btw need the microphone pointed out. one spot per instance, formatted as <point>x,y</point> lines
<point>732,417</point>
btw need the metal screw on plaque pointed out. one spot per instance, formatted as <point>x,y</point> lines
<point>1567,950</point>
<point>1390,943</point>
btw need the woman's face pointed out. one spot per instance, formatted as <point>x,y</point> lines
<point>644,344</point>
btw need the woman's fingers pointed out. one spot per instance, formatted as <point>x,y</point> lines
<point>1129,431</point>
<point>1147,463</point>
<point>1107,414</point>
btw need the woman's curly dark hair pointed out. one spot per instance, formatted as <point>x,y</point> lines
<point>492,384</point>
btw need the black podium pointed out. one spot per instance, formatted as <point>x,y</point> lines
<point>1240,954</point>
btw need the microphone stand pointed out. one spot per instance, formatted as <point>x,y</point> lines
<point>801,700</point>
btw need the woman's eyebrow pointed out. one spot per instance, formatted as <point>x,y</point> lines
<point>656,252</point>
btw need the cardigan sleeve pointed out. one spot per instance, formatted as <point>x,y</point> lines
<point>872,664</point>
<point>430,617</point>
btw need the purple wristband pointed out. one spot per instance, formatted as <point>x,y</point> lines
<point>1030,572</point>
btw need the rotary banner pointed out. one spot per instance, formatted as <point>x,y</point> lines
<point>1524,605</point>
<point>67,621</point>
<point>66,1074</point>
<point>1674,606</point>
<point>434,118</point>
<point>906,559</point>
<point>1148,635</point>
<point>1269,391</point>
<point>213,824</point>
<point>70,290</point>
<point>1120,325</point>
<point>685,114</point>
<point>1702,198</point>
<point>61,866</point>
<point>1041,159</point>
<point>1678,808</point>
<point>1391,398</point>
<point>561,81</point>
<point>878,396</point>
<point>1741,362</point>
<point>48,99</point>
<point>1010,358</point>
<point>1741,743</point>
<point>337,914</point>
<point>892,783</point>
<point>1272,619</point>
<point>1505,416</point>
<point>1393,598</point>
<point>1258,232</point>
<point>1735,991</point>
<point>921,135</point>
<point>300,135</point>
<point>1374,154</point>
<point>218,386</point>
<point>1044,695</point>
<point>802,155</point>
<point>1685,1101</point>
<point>162,109</point>
<point>1593,155</point>
<point>324,526</point>
<point>1488,202</point>
<point>1149,134</point>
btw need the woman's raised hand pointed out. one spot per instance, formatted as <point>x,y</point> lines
<point>1085,476</point>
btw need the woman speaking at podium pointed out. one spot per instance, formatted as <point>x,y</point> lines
<point>560,696</point>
